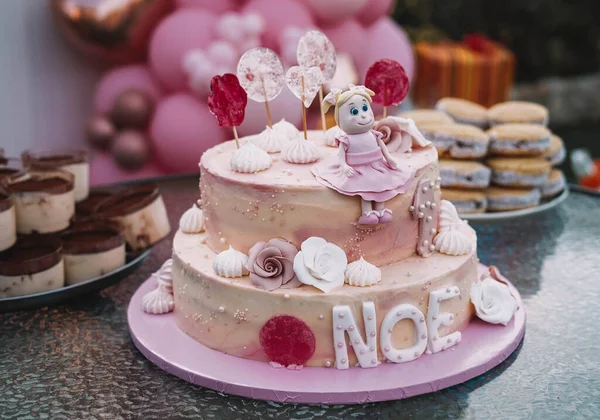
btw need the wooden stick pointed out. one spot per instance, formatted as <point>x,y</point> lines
<point>269,120</point>
<point>384,111</point>
<point>303,111</point>
<point>385,99</point>
<point>235,135</point>
<point>323,120</point>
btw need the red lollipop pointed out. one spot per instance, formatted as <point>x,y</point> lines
<point>227,102</point>
<point>389,81</point>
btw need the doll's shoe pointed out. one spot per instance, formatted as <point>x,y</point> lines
<point>385,216</point>
<point>369,218</point>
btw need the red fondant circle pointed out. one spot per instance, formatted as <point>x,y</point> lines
<point>287,340</point>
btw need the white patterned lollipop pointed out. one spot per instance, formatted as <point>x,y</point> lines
<point>306,89</point>
<point>316,50</point>
<point>261,74</point>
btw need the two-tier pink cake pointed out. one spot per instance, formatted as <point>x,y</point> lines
<point>274,265</point>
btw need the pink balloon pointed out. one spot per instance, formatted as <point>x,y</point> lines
<point>284,106</point>
<point>373,10</point>
<point>175,36</point>
<point>122,78</point>
<point>331,11</point>
<point>349,37</point>
<point>385,39</point>
<point>215,6</point>
<point>277,16</point>
<point>104,170</point>
<point>182,129</point>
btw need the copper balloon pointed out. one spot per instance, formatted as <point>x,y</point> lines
<point>132,109</point>
<point>100,131</point>
<point>110,32</point>
<point>131,149</point>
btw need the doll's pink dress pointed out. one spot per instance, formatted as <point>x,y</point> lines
<point>374,179</point>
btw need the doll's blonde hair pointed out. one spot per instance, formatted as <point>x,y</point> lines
<point>338,98</point>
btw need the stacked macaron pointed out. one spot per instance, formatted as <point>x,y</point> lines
<point>495,159</point>
<point>55,232</point>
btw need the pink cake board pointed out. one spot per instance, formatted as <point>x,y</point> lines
<point>483,346</point>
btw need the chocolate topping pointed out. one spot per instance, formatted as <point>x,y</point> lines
<point>88,206</point>
<point>30,256</point>
<point>128,201</point>
<point>52,185</point>
<point>5,202</point>
<point>53,160</point>
<point>92,237</point>
<point>8,174</point>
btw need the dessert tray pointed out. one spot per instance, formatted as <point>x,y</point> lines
<point>53,297</point>
<point>508,215</point>
<point>483,347</point>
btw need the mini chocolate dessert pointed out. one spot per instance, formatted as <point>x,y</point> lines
<point>8,222</point>
<point>141,213</point>
<point>31,266</point>
<point>87,208</point>
<point>44,201</point>
<point>92,249</point>
<point>73,161</point>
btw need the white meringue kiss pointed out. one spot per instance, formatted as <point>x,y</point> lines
<point>231,263</point>
<point>288,129</point>
<point>451,240</point>
<point>320,264</point>
<point>192,220</point>
<point>300,151</point>
<point>270,140</point>
<point>362,273</point>
<point>159,301</point>
<point>250,159</point>
<point>493,302</point>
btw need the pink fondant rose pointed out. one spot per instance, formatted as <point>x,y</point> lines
<point>271,265</point>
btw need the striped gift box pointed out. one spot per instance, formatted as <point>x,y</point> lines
<point>478,69</point>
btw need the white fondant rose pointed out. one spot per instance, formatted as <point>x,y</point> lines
<point>493,302</point>
<point>320,264</point>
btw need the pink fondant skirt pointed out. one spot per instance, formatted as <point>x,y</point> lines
<point>373,180</point>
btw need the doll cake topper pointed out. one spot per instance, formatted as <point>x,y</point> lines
<point>363,166</point>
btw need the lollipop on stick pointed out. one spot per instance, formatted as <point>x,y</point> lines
<point>304,84</point>
<point>227,102</point>
<point>316,50</point>
<point>261,74</point>
<point>389,81</point>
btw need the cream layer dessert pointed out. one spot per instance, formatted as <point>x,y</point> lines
<point>72,161</point>
<point>92,249</point>
<point>8,222</point>
<point>276,266</point>
<point>44,201</point>
<point>141,213</point>
<point>31,266</point>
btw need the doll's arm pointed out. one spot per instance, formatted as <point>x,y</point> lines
<point>386,154</point>
<point>348,170</point>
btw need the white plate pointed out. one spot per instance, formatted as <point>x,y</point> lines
<point>506,215</point>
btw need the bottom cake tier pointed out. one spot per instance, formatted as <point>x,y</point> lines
<point>420,303</point>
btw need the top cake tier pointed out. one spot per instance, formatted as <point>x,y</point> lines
<point>286,201</point>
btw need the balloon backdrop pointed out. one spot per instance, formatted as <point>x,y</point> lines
<point>279,15</point>
<point>181,130</point>
<point>184,30</point>
<point>116,81</point>
<point>185,48</point>
<point>104,170</point>
<point>109,32</point>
